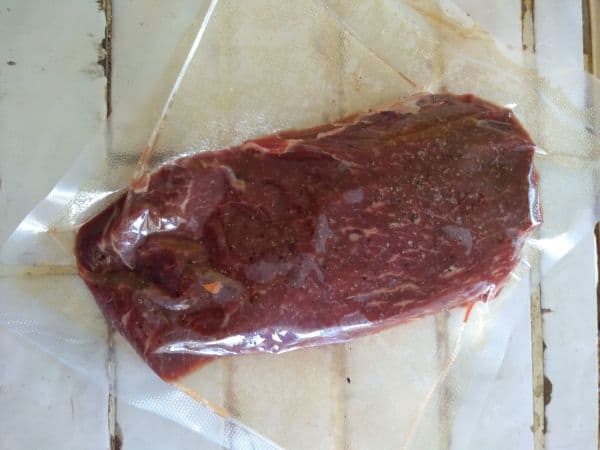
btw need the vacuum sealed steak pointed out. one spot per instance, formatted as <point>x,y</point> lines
<point>317,236</point>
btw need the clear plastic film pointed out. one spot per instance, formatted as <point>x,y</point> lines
<point>257,68</point>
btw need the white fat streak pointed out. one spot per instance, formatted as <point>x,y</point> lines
<point>405,106</point>
<point>252,145</point>
<point>400,288</point>
<point>394,258</point>
<point>390,274</point>
<point>188,194</point>
<point>368,232</point>
<point>335,131</point>
<point>236,183</point>
<point>376,205</point>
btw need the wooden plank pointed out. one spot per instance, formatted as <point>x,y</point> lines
<point>537,348</point>
<point>244,400</point>
<point>568,288</point>
<point>45,404</point>
<point>591,49</point>
<point>130,49</point>
<point>570,330</point>
<point>51,102</point>
<point>51,97</point>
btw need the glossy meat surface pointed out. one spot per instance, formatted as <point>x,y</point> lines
<point>316,236</point>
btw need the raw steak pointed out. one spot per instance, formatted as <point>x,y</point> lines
<point>311,237</point>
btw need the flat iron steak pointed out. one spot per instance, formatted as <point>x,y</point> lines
<point>311,237</point>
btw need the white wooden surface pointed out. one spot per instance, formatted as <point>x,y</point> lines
<point>51,407</point>
<point>570,362</point>
<point>51,102</point>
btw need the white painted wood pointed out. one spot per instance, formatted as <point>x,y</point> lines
<point>506,417</point>
<point>569,291</point>
<point>45,405</point>
<point>501,18</point>
<point>150,40</point>
<point>571,355</point>
<point>512,392</point>
<point>51,101</point>
<point>505,421</point>
<point>51,96</point>
<point>570,331</point>
<point>65,106</point>
<point>142,430</point>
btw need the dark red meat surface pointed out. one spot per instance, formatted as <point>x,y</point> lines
<point>311,237</point>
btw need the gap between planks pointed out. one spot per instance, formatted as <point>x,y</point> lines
<point>537,330</point>
<point>114,430</point>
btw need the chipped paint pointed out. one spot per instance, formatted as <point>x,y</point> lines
<point>104,51</point>
<point>527,24</point>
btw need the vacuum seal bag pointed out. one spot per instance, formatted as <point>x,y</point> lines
<point>322,172</point>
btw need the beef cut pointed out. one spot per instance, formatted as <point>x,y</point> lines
<point>311,237</point>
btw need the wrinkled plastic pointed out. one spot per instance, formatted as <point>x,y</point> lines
<point>258,68</point>
<point>313,237</point>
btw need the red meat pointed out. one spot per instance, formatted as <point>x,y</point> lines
<point>311,237</point>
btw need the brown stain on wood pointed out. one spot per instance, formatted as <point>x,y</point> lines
<point>537,353</point>
<point>36,271</point>
<point>547,398</point>
<point>105,61</point>
<point>442,20</point>
<point>528,24</point>
<point>116,439</point>
<point>591,35</point>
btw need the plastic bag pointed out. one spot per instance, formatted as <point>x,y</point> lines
<point>317,236</point>
<point>341,62</point>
